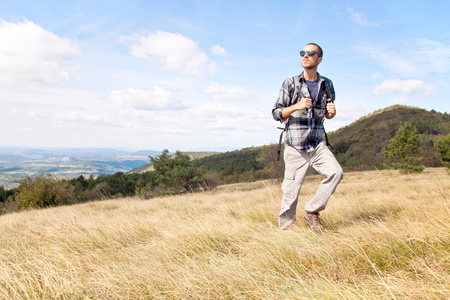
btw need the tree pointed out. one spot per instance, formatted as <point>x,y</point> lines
<point>3,195</point>
<point>177,173</point>
<point>6,193</point>
<point>43,191</point>
<point>403,149</point>
<point>268,158</point>
<point>443,148</point>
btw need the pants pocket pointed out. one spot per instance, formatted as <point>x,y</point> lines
<point>288,185</point>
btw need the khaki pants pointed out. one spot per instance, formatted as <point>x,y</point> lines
<point>297,164</point>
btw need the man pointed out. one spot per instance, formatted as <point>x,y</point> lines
<point>303,103</point>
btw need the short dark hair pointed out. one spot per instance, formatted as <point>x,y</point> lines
<point>320,52</point>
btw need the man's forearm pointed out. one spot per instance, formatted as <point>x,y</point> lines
<point>287,111</point>
<point>302,104</point>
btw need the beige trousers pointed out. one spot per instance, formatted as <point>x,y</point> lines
<point>297,164</point>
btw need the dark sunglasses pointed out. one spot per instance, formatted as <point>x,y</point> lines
<point>310,53</point>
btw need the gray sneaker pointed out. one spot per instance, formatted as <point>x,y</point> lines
<point>313,220</point>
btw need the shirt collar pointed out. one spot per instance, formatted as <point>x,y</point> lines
<point>303,78</point>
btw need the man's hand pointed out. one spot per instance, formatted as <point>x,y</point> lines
<point>331,110</point>
<point>302,104</point>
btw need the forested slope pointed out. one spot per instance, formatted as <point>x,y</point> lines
<point>358,145</point>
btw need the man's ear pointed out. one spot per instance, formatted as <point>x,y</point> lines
<point>319,60</point>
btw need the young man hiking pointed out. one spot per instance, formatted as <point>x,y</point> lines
<point>303,104</point>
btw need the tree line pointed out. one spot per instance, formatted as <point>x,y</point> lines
<point>174,174</point>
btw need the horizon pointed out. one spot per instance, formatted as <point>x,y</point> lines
<point>212,149</point>
<point>197,75</point>
<point>128,151</point>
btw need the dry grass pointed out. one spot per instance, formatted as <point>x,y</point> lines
<point>388,238</point>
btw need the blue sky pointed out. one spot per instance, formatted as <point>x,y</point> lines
<point>204,75</point>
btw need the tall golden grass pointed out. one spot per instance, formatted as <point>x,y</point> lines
<point>387,237</point>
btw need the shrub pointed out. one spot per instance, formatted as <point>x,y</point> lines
<point>274,168</point>
<point>177,173</point>
<point>99,192</point>
<point>43,191</point>
<point>403,147</point>
<point>443,148</point>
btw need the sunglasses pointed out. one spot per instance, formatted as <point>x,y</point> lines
<point>310,53</point>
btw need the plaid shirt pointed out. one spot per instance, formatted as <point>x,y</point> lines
<point>304,128</point>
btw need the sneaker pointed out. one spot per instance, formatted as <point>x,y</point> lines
<point>313,220</point>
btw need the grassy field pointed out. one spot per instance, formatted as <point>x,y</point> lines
<point>388,237</point>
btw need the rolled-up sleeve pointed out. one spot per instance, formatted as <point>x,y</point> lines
<point>284,99</point>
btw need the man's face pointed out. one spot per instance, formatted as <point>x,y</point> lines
<point>311,62</point>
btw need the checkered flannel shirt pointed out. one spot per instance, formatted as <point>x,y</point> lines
<point>304,128</point>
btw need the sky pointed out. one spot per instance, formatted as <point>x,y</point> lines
<point>204,75</point>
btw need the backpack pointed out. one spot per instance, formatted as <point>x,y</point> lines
<point>296,97</point>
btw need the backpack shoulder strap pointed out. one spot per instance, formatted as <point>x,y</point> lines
<point>328,88</point>
<point>295,97</point>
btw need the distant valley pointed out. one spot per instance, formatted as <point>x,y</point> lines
<point>17,163</point>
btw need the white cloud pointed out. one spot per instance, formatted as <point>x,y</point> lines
<point>31,54</point>
<point>75,118</point>
<point>419,57</point>
<point>225,92</point>
<point>360,18</point>
<point>412,87</point>
<point>228,117</point>
<point>219,50</point>
<point>431,55</point>
<point>174,51</point>
<point>158,99</point>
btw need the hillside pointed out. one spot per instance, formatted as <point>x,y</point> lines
<point>231,162</point>
<point>358,145</point>
<point>392,242</point>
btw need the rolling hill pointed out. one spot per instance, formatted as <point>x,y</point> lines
<point>358,146</point>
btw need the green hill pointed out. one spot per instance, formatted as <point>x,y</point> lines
<point>232,162</point>
<point>358,145</point>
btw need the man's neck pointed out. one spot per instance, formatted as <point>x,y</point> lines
<point>310,74</point>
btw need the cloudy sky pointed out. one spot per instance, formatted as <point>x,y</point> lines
<point>204,75</point>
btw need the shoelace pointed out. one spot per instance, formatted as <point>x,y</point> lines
<point>316,220</point>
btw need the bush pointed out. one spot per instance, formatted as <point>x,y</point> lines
<point>99,192</point>
<point>43,191</point>
<point>273,168</point>
<point>443,148</point>
<point>404,147</point>
<point>212,179</point>
<point>177,174</point>
<point>5,194</point>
